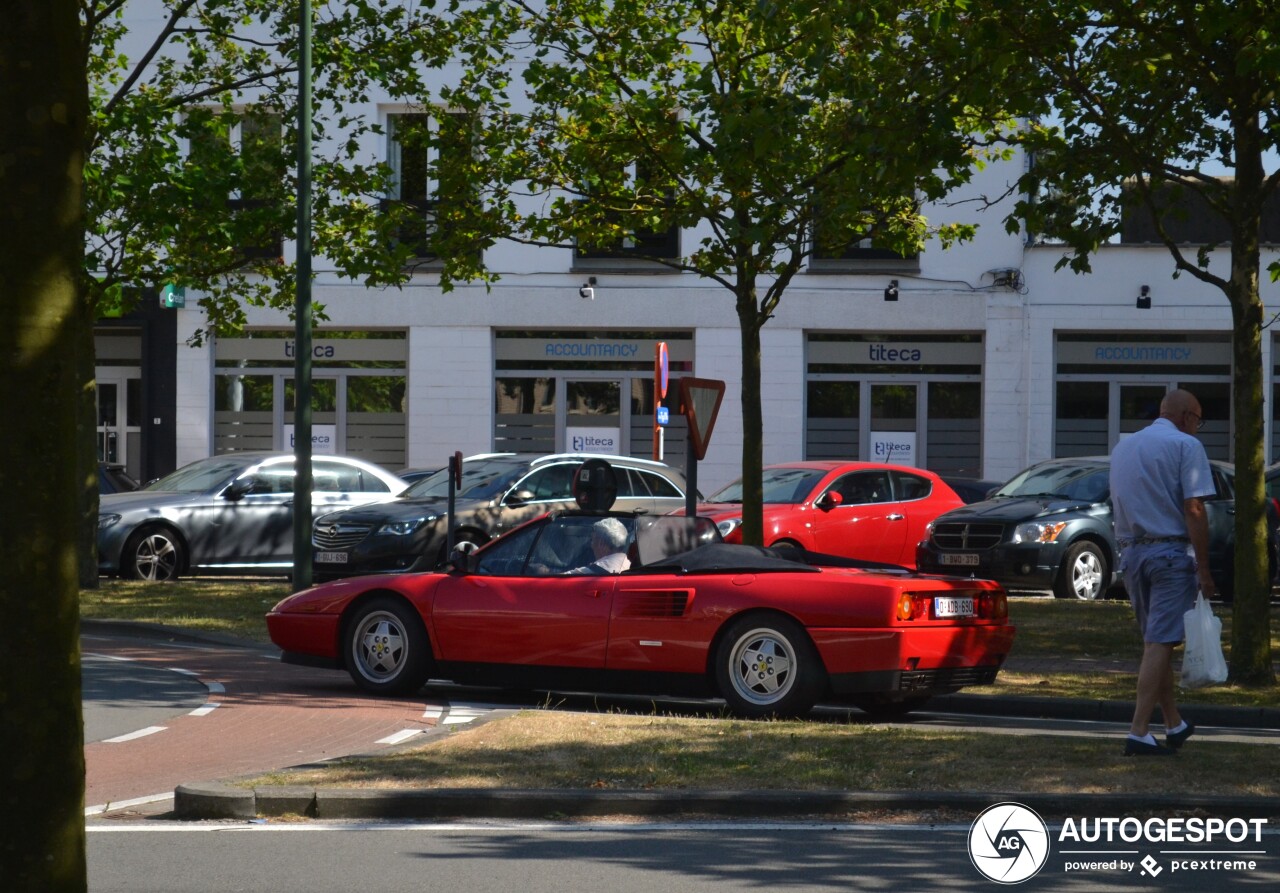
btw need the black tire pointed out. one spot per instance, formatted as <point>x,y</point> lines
<point>154,554</point>
<point>1084,574</point>
<point>385,647</point>
<point>765,665</point>
<point>885,706</point>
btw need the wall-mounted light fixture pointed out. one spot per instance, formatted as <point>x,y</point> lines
<point>588,291</point>
<point>891,293</point>
<point>1144,298</point>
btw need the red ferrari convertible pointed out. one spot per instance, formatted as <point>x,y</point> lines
<point>689,615</point>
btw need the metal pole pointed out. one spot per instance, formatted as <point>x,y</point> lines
<point>302,321</point>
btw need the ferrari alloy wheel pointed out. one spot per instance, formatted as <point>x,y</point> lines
<point>155,554</point>
<point>386,647</point>
<point>766,666</point>
<point>1084,574</point>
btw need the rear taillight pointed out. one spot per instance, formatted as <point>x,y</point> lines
<point>912,606</point>
<point>991,605</point>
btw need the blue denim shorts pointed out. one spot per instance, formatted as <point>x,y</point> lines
<point>1162,585</point>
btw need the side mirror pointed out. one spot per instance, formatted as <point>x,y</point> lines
<point>462,558</point>
<point>238,489</point>
<point>829,500</point>
<point>518,498</point>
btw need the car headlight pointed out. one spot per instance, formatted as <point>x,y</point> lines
<point>728,526</point>
<point>928,530</point>
<point>107,520</point>
<point>1038,532</point>
<point>406,527</point>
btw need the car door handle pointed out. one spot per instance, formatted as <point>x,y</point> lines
<point>895,517</point>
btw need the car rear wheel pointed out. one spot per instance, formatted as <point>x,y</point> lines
<point>1084,574</point>
<point>155,554</point>
<point>387,651</point>
<point>766,666</point>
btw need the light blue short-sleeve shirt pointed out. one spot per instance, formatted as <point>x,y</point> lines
<point>1152,473</point>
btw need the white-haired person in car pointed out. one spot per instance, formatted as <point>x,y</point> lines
<point>609,545</point>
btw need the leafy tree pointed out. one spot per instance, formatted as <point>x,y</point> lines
<point>1141,99</point>
<point>43,100</point>
<point>745,121</point>
<point>190,175</point>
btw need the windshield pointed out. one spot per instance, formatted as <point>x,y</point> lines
<point>201,477</point>
<point>481,479</point>
<point>781,486</point>
<point>1086,482</point>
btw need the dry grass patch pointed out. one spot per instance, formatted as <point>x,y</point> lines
<point>549,749</point>
<point>232,606</point>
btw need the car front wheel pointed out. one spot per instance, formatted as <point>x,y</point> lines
<point>1084,574</point>
<point>386,647</point>
<point>154,554</point>
<point>766,666</point>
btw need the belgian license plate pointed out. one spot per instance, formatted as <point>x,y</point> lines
<point>963,559</point>
<point>953,607</point>
<point>331,557</point>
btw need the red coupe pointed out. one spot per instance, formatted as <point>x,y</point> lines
<point>865,510</point>
<point>690,616</point>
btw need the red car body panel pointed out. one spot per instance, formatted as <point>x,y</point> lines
<point>886,530</point>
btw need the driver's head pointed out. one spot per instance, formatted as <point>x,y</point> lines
<point>608,535</point>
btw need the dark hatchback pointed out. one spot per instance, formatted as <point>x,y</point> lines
<point>1050,528</point>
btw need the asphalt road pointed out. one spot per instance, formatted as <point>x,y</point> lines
<point>640,858</point>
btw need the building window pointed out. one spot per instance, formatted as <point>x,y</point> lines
<point>245,156</point>
<point>423,149</point>
<point>636,242</point>
<point>862,248</point>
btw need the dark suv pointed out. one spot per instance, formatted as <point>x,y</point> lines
<point>499,491</point>
<point>1050,528</point>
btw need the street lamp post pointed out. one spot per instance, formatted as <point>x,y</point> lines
<point>302,320</point>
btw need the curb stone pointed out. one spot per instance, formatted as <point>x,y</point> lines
<point>215,800</point>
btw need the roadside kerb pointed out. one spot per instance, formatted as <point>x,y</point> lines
<point>222,801</point>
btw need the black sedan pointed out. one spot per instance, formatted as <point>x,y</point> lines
<point>1050,528</point>
<point>227,514</point>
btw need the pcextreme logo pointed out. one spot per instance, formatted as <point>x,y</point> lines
<point>1008,843</point>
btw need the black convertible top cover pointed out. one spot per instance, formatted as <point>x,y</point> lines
<point>722,558</point>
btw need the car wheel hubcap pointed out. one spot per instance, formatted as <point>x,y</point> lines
<point>762,667</point>
<point>380,647</point>
<point>156,558</point>
<point>1087,575</point>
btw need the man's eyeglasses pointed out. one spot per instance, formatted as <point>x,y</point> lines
<point>1199,421</point>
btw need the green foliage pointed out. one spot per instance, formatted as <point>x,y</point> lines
<point>181,187</point>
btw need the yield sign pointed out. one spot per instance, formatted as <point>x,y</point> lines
<point>700,402</point>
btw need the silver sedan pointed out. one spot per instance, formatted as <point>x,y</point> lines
<point>228,514</point>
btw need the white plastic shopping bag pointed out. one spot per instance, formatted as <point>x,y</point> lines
<point>1202,660</point>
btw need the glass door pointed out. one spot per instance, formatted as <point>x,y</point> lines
<point>894,423</point>
<point>119,422</point>
<point>593,421</point>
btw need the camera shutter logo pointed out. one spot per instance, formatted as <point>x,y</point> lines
<point>1008,843</point>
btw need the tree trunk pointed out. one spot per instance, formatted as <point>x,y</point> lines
<point>749,324</point>
<point>43,103</point>
<point>87,454</point>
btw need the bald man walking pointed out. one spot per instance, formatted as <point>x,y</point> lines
<point>1159,479</point>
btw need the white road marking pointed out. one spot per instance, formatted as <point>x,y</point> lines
<point>205,710</point>
<point>141,733</point>
<point>398,737</point>
<point>125,804</point>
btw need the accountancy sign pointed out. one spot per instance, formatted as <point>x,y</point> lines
<point>634,352</point>
<point>1171,354</point>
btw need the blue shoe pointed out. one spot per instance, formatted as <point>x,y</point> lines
<point>1176,739</point>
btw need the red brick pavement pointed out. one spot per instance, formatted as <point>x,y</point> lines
<point>270,716</point>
